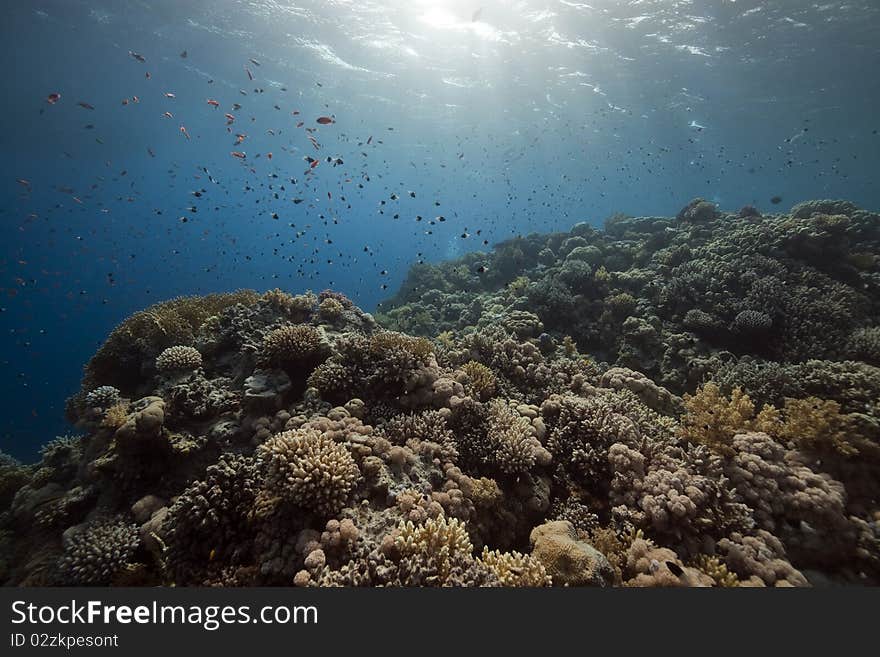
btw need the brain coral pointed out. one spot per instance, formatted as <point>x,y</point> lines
<point>308,469</point>
<point>179,358</point>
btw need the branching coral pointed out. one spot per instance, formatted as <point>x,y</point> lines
<point>95,554</point>
<point>713,419</point>
<point>179,358</point>
<point>307,468</point>
<point>481,379</point>
<point>515,446</point>
<point>292,344</point>
<point>816,425</point>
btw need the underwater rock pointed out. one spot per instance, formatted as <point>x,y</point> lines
<point>265,389</point>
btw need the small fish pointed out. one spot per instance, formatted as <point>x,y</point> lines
<point>138,56</point>
<point>135,99</point>
<point>147,75</point>
<point>239,154</point>
<point>254,62</point>
<point>776,200</point>
<point>239,138</point>
<point>86,105</point>
<point>23,182</point>
<point>674,568</point>
<point>324,120</point>
<point>125,101</point>
<point>168,94</point>
<point>250,75</point>
<point>168,115</point>
<point>183,130</point>
<point>236,106</point>
<point>476,15</point>
<point>229,119</point>
<point>53,98</point>
<point>370,140</point>
<point>150,151</point>
<point>183,54</point>
<point>213,103</point>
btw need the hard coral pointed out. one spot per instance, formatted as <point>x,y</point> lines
<point>95,554</point>
<point>713,419</point>
<point>179,358</point>
<point>292,344</point>
<point>307,468</point>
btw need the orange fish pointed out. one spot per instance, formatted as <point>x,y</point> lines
<point>183,130</point>
<point>238,154</point>
<point>313,164</point>
<point>213,102</point>
<point>229,119</point>
<point>53,98</point>
<point>324,120</point>
<point>239,138</point>
<point>269,155</point>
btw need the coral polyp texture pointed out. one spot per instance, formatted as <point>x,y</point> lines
<point>687,401</point>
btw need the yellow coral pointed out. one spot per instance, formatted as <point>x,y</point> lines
<point>115,416</point>
<point>713,419</point>
<point>381,343</point>
<point>515,569</point>
<point>482,379</point>
<point>299,306</point>
<point>717,570</point>
<point>441,540</point>
<point>446,339</point>
<point>815,424</point>
<point>518,285</point>
<point>330,309</point>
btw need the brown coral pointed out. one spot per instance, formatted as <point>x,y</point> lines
<point>309,469</point>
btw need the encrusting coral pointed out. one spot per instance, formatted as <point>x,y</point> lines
<point>686,401</point>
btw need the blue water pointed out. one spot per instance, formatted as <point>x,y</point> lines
<point>502,117</point>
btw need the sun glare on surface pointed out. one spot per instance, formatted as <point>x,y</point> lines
<point>438,17</point>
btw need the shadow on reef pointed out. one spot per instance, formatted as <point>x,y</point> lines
<point>731,438</point>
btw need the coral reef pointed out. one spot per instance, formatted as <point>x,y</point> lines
<point>687,401</point>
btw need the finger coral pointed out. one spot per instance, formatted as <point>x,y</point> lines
<point>179,358</point>
<point>96,553</point>
<point>307,468</point>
